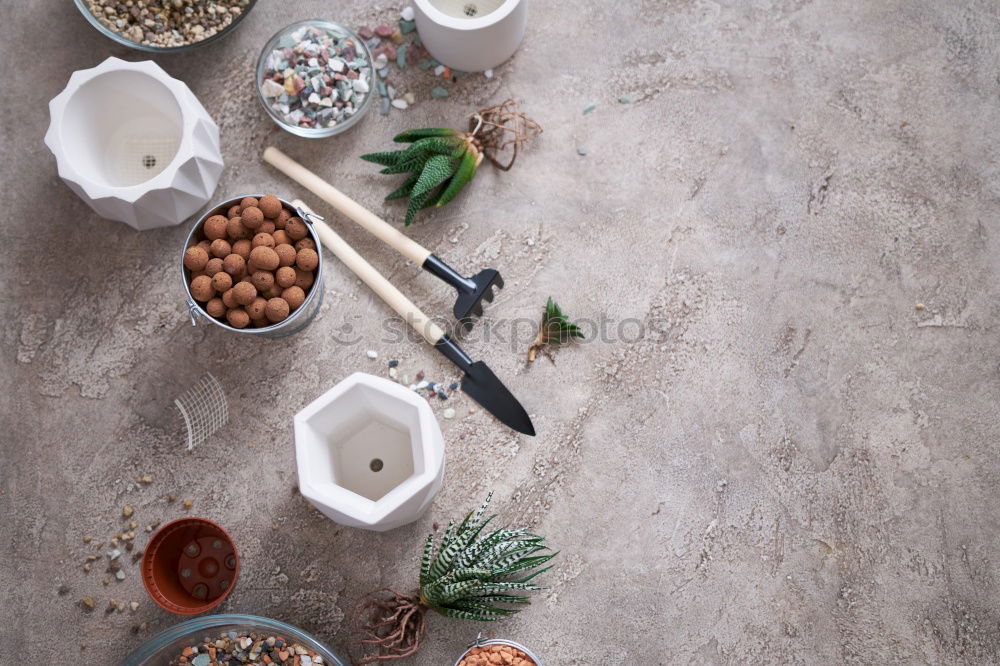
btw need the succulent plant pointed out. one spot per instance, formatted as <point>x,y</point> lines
<point>554,329</point>
<point>440,162</point>
<point>468,575</point>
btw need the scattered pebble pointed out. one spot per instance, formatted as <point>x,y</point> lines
<point>114,554</point>
<point>393,363</point>
<point>88,539</point>
<point>146,479</point>
<point>188,504</point>
<point>437,92</point>
<point>625,99</point>
<point>449,413</point>
<point>581,151</point>
<point>393,373</point>
<point>371,353</point>
<point>87,603</point>
<point>171,497</point>
<point>590,107</point>
<point>63,590</point>
<point>134,605</point>
<point>316,78</point>
<point>407,13</point>
<point>127,511</point>
<point>920,306</point>
<point>488,73</point>
<point>120,575</point>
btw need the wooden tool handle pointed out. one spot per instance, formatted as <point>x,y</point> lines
<point>349,207</point>
<point>395,299</point>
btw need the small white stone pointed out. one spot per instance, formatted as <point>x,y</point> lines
<point>449,413</point>
<point>313,99</point>
<point>393,372</point>
<point>439,70</point>
<point>420,385</point>
<point>409,97</point>
<point>372,353</point>
<point>400,103</point>
<point>531,241</point>
<point>407,13</point>
<point>488,73</point>
<point>381,61</point>
<point>326,101</point>
<point>271,88</point>
<point>360,85</point>
<point>313,62</point>
<point>337,65</point>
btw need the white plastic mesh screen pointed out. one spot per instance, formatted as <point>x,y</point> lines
<point>136,159</point>
<point>204,410</point>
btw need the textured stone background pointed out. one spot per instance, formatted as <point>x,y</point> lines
<point>794,464</point>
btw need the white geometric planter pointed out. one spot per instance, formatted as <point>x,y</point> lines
<point>369,453</point>
<point>135,144</point>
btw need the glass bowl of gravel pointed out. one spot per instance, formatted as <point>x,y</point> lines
<point>232,639</point>
<point>165,26</point>
<point>315,78</point>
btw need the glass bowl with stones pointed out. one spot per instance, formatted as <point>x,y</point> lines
<point>315,78</point>
<point>170,26</point>
<point>230,638</point>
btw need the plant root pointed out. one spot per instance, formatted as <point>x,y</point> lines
<point>386,625</point>
<point>502,130</point>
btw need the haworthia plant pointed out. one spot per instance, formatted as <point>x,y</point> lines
<point>472,576</point>
<point>439,163</point>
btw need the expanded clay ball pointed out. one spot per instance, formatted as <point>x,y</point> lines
<point>262,280</point>
<point>229,299</point>
<point>282,218</point>
<point>294,296</point>
<point>206,245</point>
<point>307,259</point>
<point>264,258</point>
<point>281,238</point>
<point>266,228</point>
<point>233,211</point>
<point>256,308</point>
<point>264,239</point>
<point>286,254</point>
<point>296,228</point>
<point>305,244</point>
<point>221,281</point>
<point>252,217</point>
<point>215,227</point>
<point>201,288</point>
<point>234,264</point>
<point>216,307</point>
<point>277,310</point>
<point>247,202</point>
<point>285,276</point>
<point>235,229</point>
<point>270,206</point>
<point>242,247</point>
<point>238,318</point>
<point>213,266</point>
<point>221,248</point>
<point>303,278</point>
<point>195,258</point>
<point>244,293</point>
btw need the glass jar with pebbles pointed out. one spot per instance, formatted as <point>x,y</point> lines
<point>314,78</point>
<point>164,26</point>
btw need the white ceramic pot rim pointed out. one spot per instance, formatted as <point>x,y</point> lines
<point>364,509</point>
<point>79,78</point>
<point>443,19</point>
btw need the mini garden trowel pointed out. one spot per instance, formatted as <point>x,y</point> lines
<point>479,381</point>
<point>472,291</point>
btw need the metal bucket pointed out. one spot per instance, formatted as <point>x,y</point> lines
<point>480,642</point>
<point>297,320</point>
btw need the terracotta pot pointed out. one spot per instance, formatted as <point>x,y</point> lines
<point>190,566</point>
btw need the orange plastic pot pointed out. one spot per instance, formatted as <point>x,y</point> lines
<point>190,566</point>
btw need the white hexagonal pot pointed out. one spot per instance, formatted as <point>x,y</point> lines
<point>369,453</point>
<point>135,144</point>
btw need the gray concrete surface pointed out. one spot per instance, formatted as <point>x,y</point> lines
<point>795,463</point>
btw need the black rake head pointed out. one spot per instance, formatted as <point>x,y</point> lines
<point>469,304</point>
